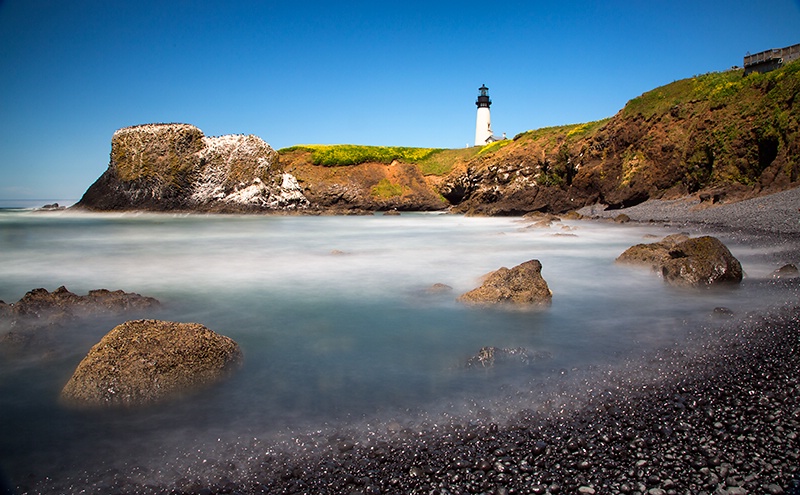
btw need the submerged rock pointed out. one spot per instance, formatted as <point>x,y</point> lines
<point>521,285</point>
<point>439,288</point>
<point>682,260</point>
<point>786,271</point>
<point>147,361</point>
<point>490,355</point>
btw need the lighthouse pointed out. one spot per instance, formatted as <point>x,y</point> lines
<point>483,124</point>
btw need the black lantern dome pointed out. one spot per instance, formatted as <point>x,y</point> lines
<point>483,98</point>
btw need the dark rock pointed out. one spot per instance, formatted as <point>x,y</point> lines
<point>521,285</point>
<point>146,361</point>
<point>21,323</point>
<point>52,207</point>
<point>687,261</point>
<point>61,303</point>
<point>722,312</point>
<point>786,271</point>
<point>701,261</point>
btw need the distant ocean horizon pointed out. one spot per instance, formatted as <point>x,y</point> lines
<point>33,203</point>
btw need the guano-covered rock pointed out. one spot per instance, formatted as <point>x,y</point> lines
<point>163,167</point>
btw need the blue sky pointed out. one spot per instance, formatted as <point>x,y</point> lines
<point>394,73</point>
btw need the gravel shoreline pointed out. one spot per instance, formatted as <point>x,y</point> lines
<point>775,214</point>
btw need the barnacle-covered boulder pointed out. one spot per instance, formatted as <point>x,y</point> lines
<point>143,362</point>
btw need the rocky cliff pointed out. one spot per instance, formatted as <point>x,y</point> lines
<point>175,167</point>
<point>724,136</point>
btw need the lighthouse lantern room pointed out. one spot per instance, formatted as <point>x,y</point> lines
<point>483,124</point>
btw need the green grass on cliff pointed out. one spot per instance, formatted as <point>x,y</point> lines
<point>717,89</point>
<point>387,189</point>
<point>338,155</point>
<point>431,161</point>
<point>551,138</point>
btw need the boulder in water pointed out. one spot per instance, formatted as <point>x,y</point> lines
<point>699,261</point>
<point>521,285</point>
<point>142,362</point>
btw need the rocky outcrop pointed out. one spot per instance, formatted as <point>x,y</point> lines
<point>148,361</point>
<point>700,261</point>
<point>522,285</point>
<point>21,323</point>
<point>165,167</point>
<point>61,303</point>
<point>721,136</point>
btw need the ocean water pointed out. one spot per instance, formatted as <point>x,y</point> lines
<point>335,319</point>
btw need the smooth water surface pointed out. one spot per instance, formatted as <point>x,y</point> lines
<point>334,316</point>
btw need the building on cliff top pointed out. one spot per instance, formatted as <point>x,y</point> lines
<point>770,59</point>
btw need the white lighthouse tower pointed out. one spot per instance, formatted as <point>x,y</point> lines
<point>483,124</point>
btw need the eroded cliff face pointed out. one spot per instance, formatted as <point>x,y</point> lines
<point>165,167</point>
<point>367,186</point>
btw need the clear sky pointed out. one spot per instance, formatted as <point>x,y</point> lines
<point>379,72</point>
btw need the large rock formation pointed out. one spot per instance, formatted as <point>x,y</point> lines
<point>522,285</point>
<point>175,167</point>
<point>700,261</point>
<point>148,361</point>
